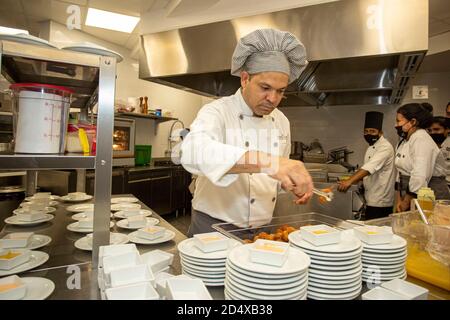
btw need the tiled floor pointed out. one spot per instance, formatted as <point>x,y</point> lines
<point>181,222</point>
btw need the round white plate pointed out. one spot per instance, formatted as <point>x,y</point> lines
<point>33,198</point>
<point>319,262</point>
<point>331,256</point>
<point>383,268</point>
<point>37,258</point>
<point>51,204</point>
<point>92,48</point>
<point>331,268</point>
<point>124,200</point>
<point>209,276</point>
<point>22,210</point>
<point>376,279</point>
<point>79,199</point>
<point>348,244</point>
<point>337,290</point>
<point>38,288</point>
<point>125,206</point>
<point>319,273</point>
<point>212,270</point>
<point>74,228</point>
<point>239,291</point>
<point>188,248</point>
<point>27,39</point>
<point>384,262</point>
<point>124,223</point>
<point>14,220</point>
<point>383,256</point>
<point>81,207</point>
<point>37,241</point>
<point>346,296</point>
<point>142,212</point>
<point>203,263</point>
<point>334,284</point>
<point>295,291</point>
<point>265,279</point>
<point>386,274</point>
<point>235,296</point>
<point>168,235</point>
<point>115,238</point>
<point>297,262</point>
<point>84,215</point>
<point>397,243</point>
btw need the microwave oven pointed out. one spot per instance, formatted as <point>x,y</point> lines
<point>123,142</point>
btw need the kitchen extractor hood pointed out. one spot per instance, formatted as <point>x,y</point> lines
<point>360,52</point>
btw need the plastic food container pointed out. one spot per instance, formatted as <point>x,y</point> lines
<point>143,154</point>
<point>320,235</point>
<point>268,252</point>
<point>40,117</point>
<point>211,241</point>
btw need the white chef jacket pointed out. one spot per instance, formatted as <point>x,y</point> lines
<point>222,133</point>
<point>445,150</point>
<point>420,158</point>
<point>379,185</point>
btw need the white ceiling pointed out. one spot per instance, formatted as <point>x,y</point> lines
<point>161,15</point>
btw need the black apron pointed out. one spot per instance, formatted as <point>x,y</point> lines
<point>437,184</point>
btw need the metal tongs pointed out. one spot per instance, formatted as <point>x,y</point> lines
<point>328,196</point>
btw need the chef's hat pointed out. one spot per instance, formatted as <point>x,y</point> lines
<point>267,50</point>
<point>374,119</point>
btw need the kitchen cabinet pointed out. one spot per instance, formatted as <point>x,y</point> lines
<point>117,182</point>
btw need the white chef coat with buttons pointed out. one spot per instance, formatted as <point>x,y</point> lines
<point>379,185</point>
<point>222,133</point>
<point>445,150</point>
<point>420,158</point>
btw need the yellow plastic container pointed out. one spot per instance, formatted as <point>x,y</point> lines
<point>426,198</point>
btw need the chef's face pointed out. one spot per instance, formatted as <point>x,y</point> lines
<point>263,91</point>
<point>436,128</point>
<point>404,123</point>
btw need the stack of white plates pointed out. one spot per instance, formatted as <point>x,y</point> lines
<point>246,280</point>
<point>384,262</point>
<point>335,271</point>
<point>209,267</point>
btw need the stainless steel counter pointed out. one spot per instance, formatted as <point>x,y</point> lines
<point>66,261</point>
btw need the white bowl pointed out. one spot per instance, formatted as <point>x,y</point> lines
<point>158,260</point>
<point>19,257</point>
<point>320,235</point>
<point>161,282</point>
<point>407,289</point>
<point>132,275</point>
<point>151,232</point>
<point>379,293</point>
<point>16,240</point>
<point>115,250</point>
<point>137,221</point>
<point>373,234</point>
<point>187,289</point>
<point>117,262</point>
<point>273,253</point>
<point>140,291</point>
<point>211,241</point>
<point>12,288</point>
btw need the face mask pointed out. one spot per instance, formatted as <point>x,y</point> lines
<point>438,137</point>
<point>371,138</point>
<point>402,134</point>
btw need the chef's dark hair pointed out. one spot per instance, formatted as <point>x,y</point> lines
<point>417,111</point>
<point>442,121</point>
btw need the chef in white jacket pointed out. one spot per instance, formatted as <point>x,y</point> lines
<point>378,172</point>
<point>418,160</point>
<point>239,145</point>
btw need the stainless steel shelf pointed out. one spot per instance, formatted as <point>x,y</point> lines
<point>146,116</point>
<point>42,162</point>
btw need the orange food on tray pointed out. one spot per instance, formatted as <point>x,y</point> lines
<point>323,199</point>
<point>281,234</point>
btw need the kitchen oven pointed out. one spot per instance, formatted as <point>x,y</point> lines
<point>123,142</point>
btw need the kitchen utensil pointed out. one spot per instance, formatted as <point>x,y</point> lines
<point>422,214</point>
<point>328,196</point>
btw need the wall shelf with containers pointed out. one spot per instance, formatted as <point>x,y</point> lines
<point>146,116</point>
<point>91,78</point>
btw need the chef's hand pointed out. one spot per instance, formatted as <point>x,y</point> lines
<point>403,205</point>
<point>294,178</point>
<point>343,186</point>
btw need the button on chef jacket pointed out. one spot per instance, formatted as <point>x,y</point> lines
<point>222,133</point>
<point>379,185</point>
<point>420,158</point>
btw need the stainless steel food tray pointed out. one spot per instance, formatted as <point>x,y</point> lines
<point>248,229</point>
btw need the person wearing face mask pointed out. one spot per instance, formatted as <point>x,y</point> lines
<point>439,132</point>
<point>377,172</point>
<point>418,159</point>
